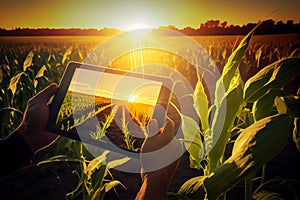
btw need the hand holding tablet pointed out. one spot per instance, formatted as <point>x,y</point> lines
<point>108,108</point>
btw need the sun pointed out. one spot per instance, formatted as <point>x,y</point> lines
<point>137,26</point>
<point>131,98</point>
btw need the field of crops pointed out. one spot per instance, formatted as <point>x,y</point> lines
<point>260,85</point>
<point>30,63</point>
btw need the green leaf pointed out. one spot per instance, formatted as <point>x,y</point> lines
<point>41,72</point>
<point>280,105</point>
<point>97,178</point>
<point>292,104</point>
<point>258,54</point>
<point>222,123</point>
<point>191,132</point>
<point>235,59</point>
<point>28,61</point>
<point>266,195</point>
<point>108,186</point>
<point>295,53</point>
<point>117,162</point>
<point>275,75</point>
<point>97,162</point>
<point>231,66</point>
<point>262,107</point>
<point>296,132</point>
<point>201,105</point>
<point>14,81</point>
<point>277,189</point>
<point>11,109</point>
<point>254,147</point>
<point>193,188</point>
<point>67,54</point>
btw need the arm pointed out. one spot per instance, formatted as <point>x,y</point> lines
<point>15,153</point>
<point>30,136</point>
<point>155,183</point>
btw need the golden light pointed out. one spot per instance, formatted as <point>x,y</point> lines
<point>137,26</point>
<point>131,98</point>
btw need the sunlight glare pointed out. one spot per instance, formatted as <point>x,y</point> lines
<point>137,26</point>
<point>131,98</point>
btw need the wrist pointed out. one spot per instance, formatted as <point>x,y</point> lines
<point>157,180</point>
<point>27,135</point>
<point>153,188</point>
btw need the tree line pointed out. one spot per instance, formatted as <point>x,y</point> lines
<point>216,27</point>
<point>211,27</point>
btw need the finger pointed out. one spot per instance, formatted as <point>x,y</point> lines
<point>45,95</point>
<point>152,128</point>
<point>167,133</point>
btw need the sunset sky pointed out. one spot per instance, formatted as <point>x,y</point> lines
<point>126,14</point>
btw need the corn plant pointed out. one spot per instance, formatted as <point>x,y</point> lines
<point>93,173</point>
<point>127,137</point>
<point>23,73</point>
<point>93,183</point>
<point>262,99</point>
<point>28,66</point>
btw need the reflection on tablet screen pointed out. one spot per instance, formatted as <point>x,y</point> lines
<point>99,104</point>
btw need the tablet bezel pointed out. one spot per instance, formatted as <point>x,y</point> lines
<point>55,105</point>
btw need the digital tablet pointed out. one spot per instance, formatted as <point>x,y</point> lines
<point>108,108</point>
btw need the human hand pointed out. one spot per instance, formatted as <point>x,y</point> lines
<point>36,115</point>
<point>155,183</point>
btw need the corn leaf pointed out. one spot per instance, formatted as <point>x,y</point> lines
<point>231,66</point>
<point>28,61</point>
<point>295,53</point>
<point>11,109</point>
<point>97,162</point>
<point>258,54</point>
<point>254,147</point>
<point>66,55</point>
<point>191,132</point>
<point>296,132</point>
<point>14,81</point>
<point>280,105</point>
<point>41,72</point>
<point>291,105</point>
<point>223,120</point>
<point>277,189</point>
<point>201,105</point>
<point>275,75</point>
<point>193,188</point>
<point>265,195</point>
<point>108,186</point>
<point>117,162</point>
<point>262,107</point>
<point>98,178</point>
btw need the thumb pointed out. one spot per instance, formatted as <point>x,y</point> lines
<point>152,128</point>
<point>167,132</point>
<point>45,95</point>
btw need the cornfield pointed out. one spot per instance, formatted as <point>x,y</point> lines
<point>265,91</point>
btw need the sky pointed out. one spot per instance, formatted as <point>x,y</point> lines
<point>128,14</point>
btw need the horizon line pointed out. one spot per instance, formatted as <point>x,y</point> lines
<point>157,27</point>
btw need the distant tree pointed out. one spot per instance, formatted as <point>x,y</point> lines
<point>189,31</point>
<point>279,23</point>
<point>290,22</point>
<point>210,27</point>
<point>224,24</point>
<point>216,23</point>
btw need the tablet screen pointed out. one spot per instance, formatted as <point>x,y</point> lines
<point>101,106</point>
